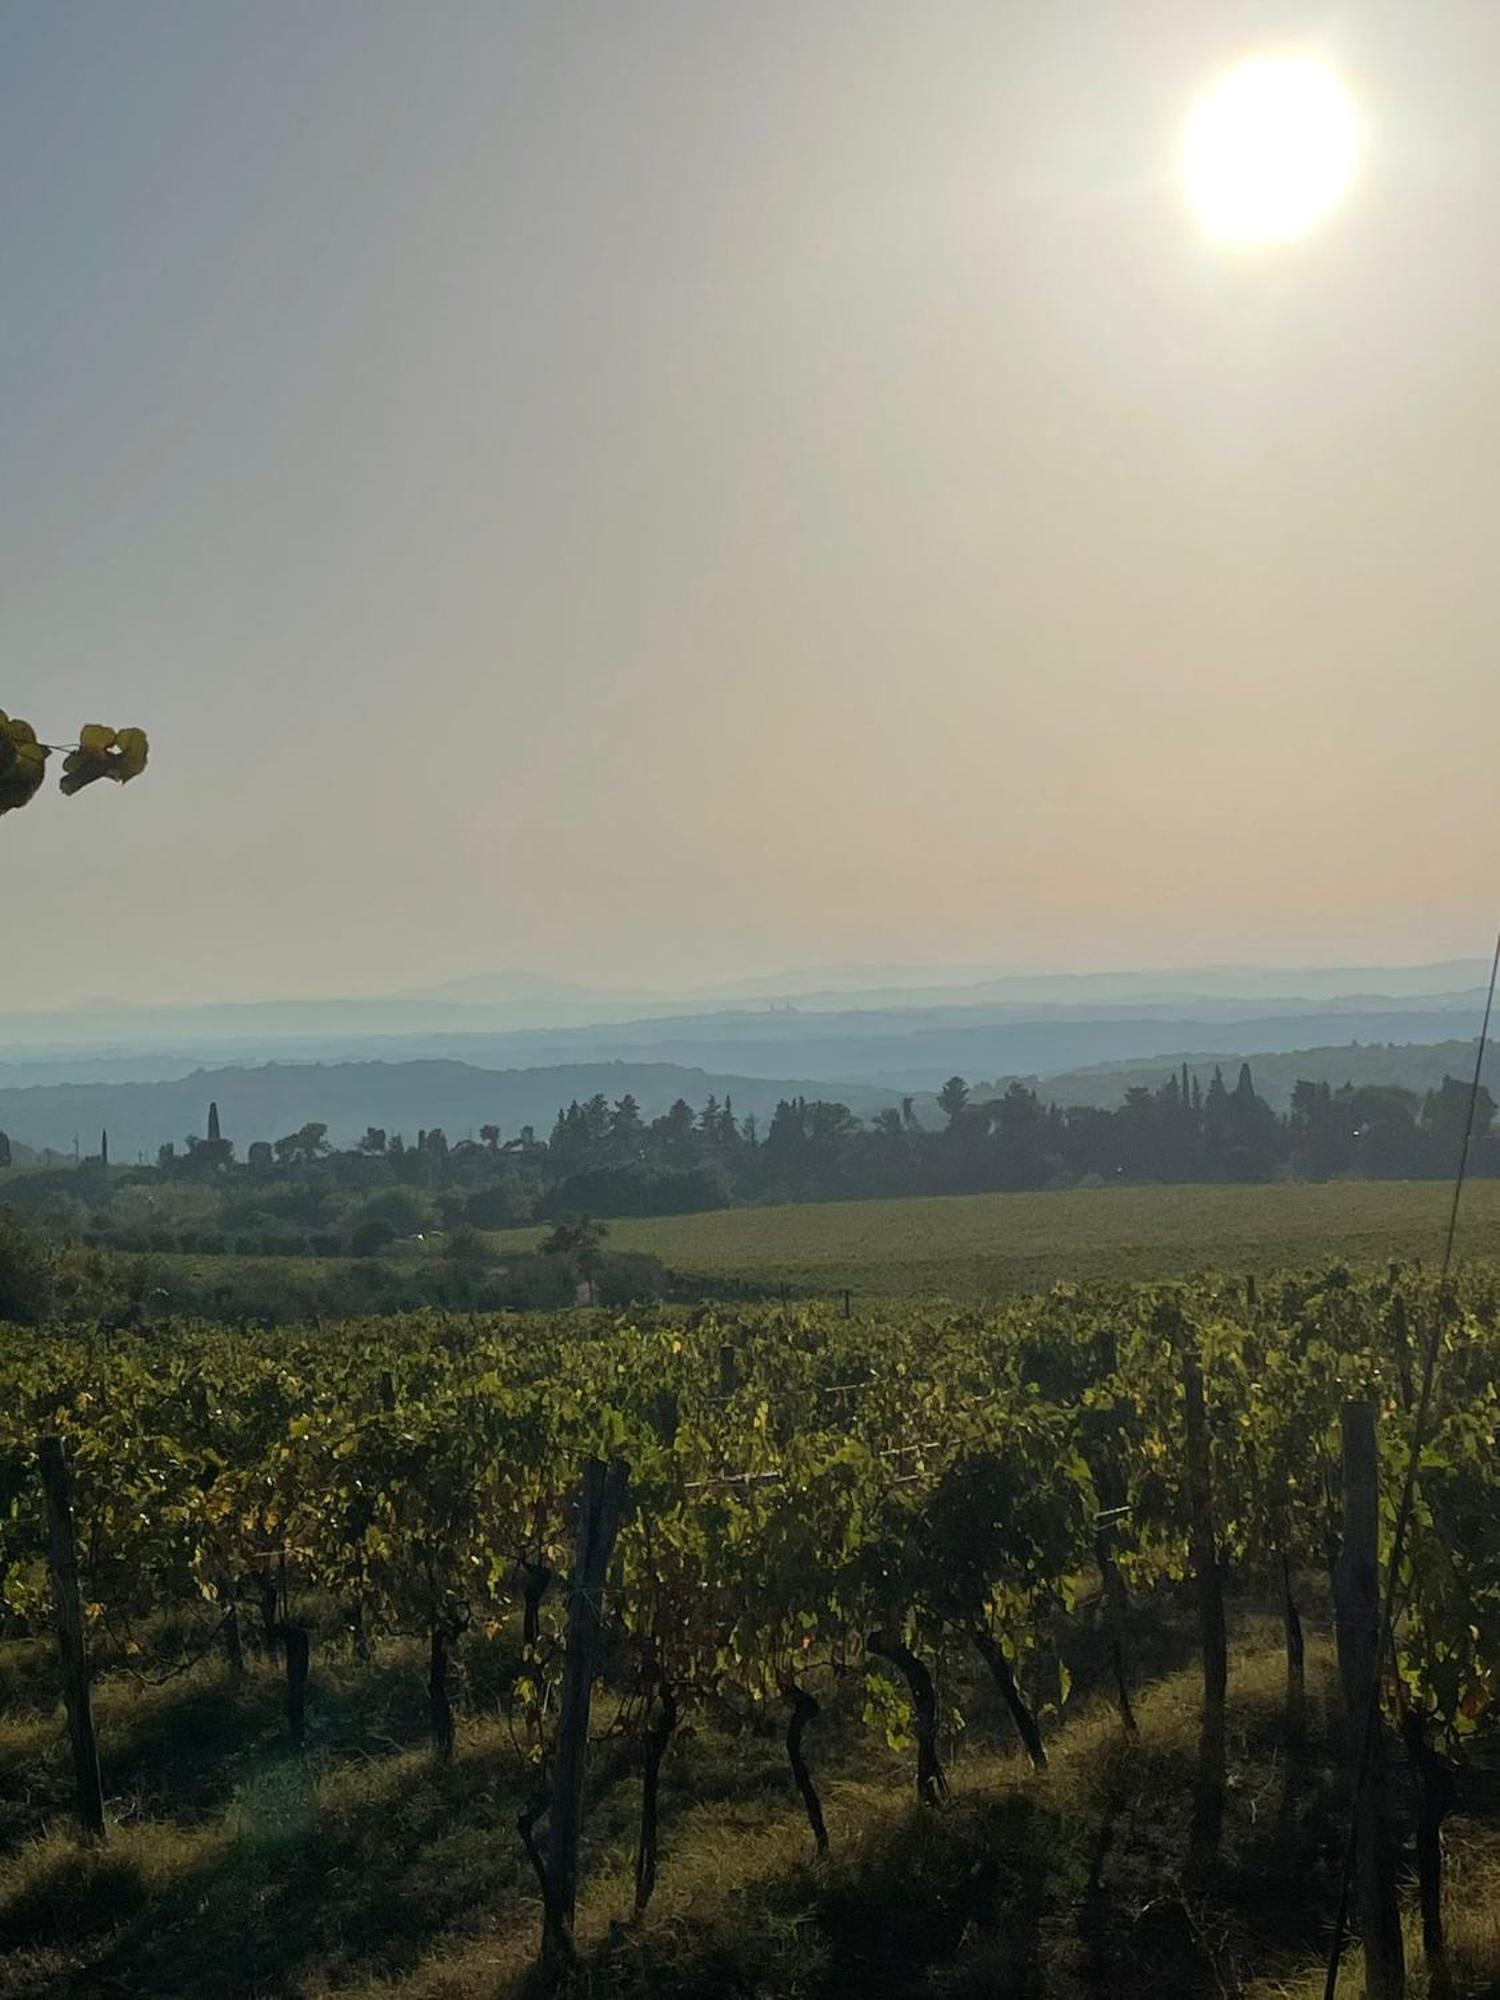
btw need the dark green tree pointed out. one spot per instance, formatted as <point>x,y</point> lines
<point>1445,1112</point>
<point>952,1099</point>
<point>302,1147</point>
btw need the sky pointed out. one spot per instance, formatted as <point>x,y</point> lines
<point>659,492</point>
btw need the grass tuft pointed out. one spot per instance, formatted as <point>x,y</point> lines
<point>364,1871</point>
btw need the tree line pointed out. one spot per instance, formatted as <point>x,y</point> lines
<point>299,1193</point>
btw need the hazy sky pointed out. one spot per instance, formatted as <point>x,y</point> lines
<point>638,489</point>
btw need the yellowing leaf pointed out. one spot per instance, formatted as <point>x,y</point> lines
<point>23,763</point>
<point>80,768</point>
<point>132,750</point>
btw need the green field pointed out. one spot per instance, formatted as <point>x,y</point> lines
<point>987,1245</point>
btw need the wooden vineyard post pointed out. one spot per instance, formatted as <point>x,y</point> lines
<point>1116,1607</point>
<point>1114,1508</point>
<point>297,1642</point>
<point>270,1611</point>
<point>234,1645</point>
<point>600,1510</point>
<point>1208,1808</point>
<point>1436,1794</point>
<point>1357,1623</point>
<point>62,1560</point>
<point>439,1702</point>
<point>1296,1654</point>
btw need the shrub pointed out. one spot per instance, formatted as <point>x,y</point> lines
<point>506,1205</point>
<point>407,1213</point>
<point>467,1246</point>
<point>371,1235</point>
<point>625,1276</point>
<point>28,1276</point>
<point>535,1284</point>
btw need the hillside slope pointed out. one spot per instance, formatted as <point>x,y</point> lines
<point>1419,1066</point>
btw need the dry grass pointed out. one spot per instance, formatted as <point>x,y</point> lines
<point>363,1872</point>
<point>1471,1922</point>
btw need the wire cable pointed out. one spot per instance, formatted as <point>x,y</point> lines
<point>1371,1720</point>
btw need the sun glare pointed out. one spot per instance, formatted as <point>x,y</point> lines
<point>1269,149</point>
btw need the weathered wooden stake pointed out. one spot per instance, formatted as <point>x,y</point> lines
<point>234,1645</point>
<point>270,1620</point>
<point>1401,1341</point>
<point>1116,1608</point>
<point>1357,1625</point>
<point>1296,1655</point>
<point>1109,1485</point>
<point>599,1513</point>
<point>729,1369</point>
<point>72,1653</point>
<point>439,1703</point>
<point>295,1639</point>
<point>1203,1548</point>
<point>1436,1792</point>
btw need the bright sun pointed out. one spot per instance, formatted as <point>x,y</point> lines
<point>1269,149</point>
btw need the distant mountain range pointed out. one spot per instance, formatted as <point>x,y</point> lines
<point>916,1049</point>
<point>891,1051</point>
<point>514,1002</point>
<point>509,1048</point>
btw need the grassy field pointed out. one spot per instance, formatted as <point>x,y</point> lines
<point>986,1245</point>
<point>364,1871</point>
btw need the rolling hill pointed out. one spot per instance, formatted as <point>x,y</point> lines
<point>1419,1066</point>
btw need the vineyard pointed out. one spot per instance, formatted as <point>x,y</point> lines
<point>814,1547</point>
<point>989,1246</point>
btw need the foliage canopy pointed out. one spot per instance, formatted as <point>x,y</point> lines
<point>100,752</point>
